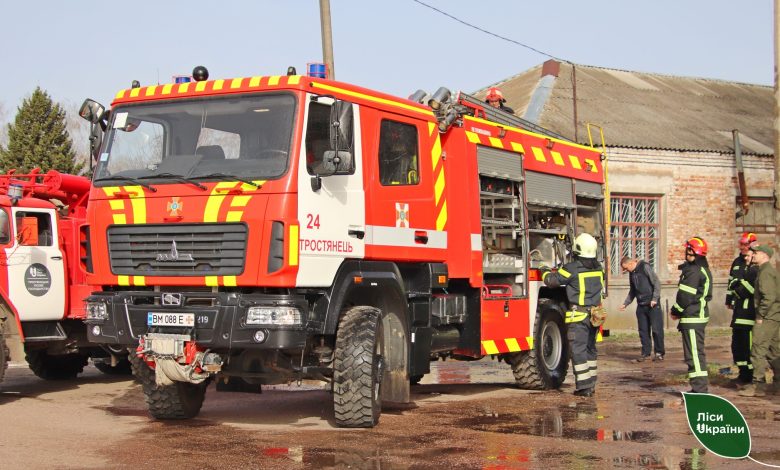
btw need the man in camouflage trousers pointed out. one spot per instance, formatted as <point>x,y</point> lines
<point>765,334</point>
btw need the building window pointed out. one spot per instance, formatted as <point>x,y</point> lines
<point>634,230</point>
<point>760,217</point>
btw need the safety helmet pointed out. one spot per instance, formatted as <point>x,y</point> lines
<point>494,94</point>
<point>697,245</point>
<point>747,238</point>
<point>585,246</point>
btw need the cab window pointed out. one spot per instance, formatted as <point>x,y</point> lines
<point>398,155</point>
<point>34,229</point>
<point>5,227</point>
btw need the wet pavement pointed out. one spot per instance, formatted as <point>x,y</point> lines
<point>463,415</point>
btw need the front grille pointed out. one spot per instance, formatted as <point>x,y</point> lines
<point>200,249</point>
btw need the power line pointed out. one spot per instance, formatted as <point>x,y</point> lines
<point>489,32</point>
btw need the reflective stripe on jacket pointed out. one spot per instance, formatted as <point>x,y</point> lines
<point>693,292</point>
<point>583,285</point>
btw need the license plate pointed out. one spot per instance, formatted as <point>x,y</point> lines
<point>170,319</point>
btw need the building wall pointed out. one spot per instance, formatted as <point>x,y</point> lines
<point>697,193</point>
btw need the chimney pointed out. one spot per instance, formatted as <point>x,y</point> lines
<point>551,67</point>
<point>542,92</point>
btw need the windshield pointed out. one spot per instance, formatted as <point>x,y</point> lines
<point>249,137</point>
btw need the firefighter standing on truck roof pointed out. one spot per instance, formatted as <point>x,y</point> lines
<point>496,99</point>
<point>739,299</point>
<point>690,307</point>
<point>584,282</point>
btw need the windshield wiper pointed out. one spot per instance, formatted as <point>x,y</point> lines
<point>226,177</point>
<point>179,178</point>
<point>127,178</point>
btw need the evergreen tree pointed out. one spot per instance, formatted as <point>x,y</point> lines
<point>38,139</point>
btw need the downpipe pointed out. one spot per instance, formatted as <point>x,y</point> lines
<point>175,358</point>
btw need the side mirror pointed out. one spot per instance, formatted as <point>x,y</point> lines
<point>335,162</point>
<point>341,125</point>
<point>92,111</point>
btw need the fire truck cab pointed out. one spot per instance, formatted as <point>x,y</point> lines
<point>42,287</point>
<point>278,228</point>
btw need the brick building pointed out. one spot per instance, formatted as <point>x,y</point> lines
<point>671,162</point>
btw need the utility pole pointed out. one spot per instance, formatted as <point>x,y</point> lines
<point>777,123</point>
<point>327,37</point>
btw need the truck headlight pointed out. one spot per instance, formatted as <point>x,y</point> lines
<point>97,311</point>
<point>273,316</point>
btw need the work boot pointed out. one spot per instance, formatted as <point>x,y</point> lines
<point>753,390</point>
<point>738,383</point>
<point>585,392</point>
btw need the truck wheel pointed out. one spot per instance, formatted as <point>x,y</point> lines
<point>4,354</point>
<point>357,368</point>
<point>104,365</point>
<point>545,366</point>
<point>55,367</point>
<point>179,400</point>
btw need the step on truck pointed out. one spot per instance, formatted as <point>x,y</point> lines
<point>269,229</point>
<point>42,279</point>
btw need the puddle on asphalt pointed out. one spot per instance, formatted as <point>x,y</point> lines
<point>315,457</point>
<point>555,422</point>
<point>684,459</point>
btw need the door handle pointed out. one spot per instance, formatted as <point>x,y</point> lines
<point>57,258</point>
<point>421,236</point>
<point>359,234</point>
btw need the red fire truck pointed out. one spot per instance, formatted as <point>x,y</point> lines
<point>42,288</point>
<point>276,228</point>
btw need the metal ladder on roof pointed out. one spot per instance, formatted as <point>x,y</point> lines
<point>507,119</point>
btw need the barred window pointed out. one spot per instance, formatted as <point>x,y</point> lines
<point>760,217</point>
<point>634,230</point>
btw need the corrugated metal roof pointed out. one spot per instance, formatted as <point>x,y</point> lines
<point>645,110</point>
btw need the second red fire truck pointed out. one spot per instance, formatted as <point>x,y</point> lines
<point>276,228</point>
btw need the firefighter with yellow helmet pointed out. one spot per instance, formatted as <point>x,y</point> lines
<point>739,299</point>
<point>694,291</point>
<point>583,279</point>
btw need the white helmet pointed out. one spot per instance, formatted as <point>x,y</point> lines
<point>585,246</point>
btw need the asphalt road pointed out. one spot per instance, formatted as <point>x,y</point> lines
<point>464,415</point>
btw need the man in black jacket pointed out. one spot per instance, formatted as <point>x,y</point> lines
<point>694,291</point>
<point>646,289</point>
<point>739,299</point>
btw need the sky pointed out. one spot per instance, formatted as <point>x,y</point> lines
<point>87,48</point>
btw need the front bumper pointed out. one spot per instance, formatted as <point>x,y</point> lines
<point>220,319</point>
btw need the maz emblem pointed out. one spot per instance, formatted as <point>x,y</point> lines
<point>171,299</point>
<point>174,255</point>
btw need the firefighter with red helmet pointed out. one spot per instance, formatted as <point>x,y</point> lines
<point>583,279</point>
<point>694,291</point>
<point>739,299</point>
<point>496,99</point>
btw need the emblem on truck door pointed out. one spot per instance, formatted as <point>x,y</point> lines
<point>174,255</point>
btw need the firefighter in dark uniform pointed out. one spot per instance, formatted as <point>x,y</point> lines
<point>584,282</point>
<point>739,300</point>
<point>694,291</point>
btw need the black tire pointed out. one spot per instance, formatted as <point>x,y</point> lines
<point>357,368</point>
<point>177,401</point>
<point>545,366</point>
<point>55,367</point>
<point>121,368</point>
<point>5,353</point>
